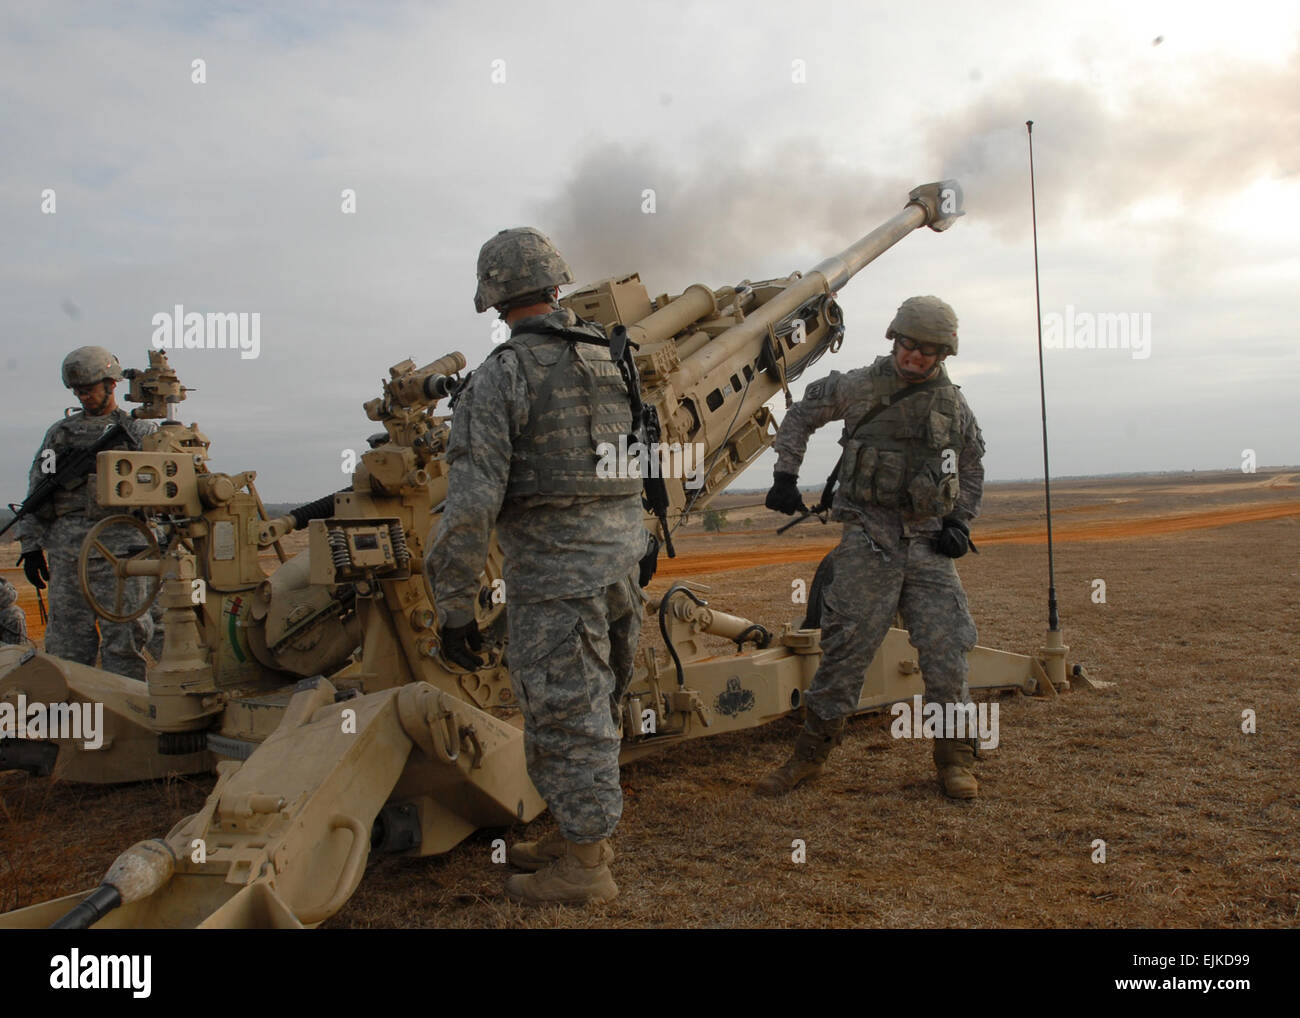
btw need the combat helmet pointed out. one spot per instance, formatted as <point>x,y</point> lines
<point>517,263</point>
<point>925,320</point>
<point>87,365</point>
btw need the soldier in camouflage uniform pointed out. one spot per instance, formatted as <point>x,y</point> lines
<point>13,623</point>
<point>60,526</point>
<point>522,458</point>
<point>910,481</point>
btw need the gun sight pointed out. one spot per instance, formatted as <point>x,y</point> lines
<point>411,388</point>
<point>156,388</point>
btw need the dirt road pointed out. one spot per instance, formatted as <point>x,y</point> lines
<point>767,551</point>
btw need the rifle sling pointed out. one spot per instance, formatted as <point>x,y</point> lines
<point>828,493</point>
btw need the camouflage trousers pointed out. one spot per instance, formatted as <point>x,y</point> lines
<point>75,633</point>
<point>570,665</point>
<point>155,644</point>
<point>866,590</point>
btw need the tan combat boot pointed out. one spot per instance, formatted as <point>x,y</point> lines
<point>533,855</point>
<point>811,749</point>
<point>954,759</point>
<point>580,876</point>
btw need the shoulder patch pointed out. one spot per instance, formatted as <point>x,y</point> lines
<point>815,391</point>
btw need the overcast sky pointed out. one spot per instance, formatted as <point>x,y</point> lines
<point>1166,144</point>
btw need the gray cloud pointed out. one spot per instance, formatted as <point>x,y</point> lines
<point>717,211</point>
<point>721,205</point>
<point>1097,157</point>
<point>226,197</point>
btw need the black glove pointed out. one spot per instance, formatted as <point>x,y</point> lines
<point>784,496</point>
<point>461,644</point>
<point>650,560</point>
<point>35,567</point>
<point>954,539</point>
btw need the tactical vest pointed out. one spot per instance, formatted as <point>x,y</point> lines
<point>897,459</point>
<point>579,401</point>
<point>79,432</point>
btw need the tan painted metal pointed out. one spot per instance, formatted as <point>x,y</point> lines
<point>397,744</point>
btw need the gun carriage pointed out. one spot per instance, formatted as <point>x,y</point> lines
<point>318,691</point>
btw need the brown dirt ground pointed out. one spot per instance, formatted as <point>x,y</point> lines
<point>1201,821</point>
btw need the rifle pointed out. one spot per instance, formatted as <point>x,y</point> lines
<point>645,419</point>
<point>74,467</point>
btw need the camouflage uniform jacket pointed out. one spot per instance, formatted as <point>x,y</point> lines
<point>849,396</point>
<point>13,623</point>
<point>555,546</point>
<point>75,431</point>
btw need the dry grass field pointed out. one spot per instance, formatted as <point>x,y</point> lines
<point>1201,821</point>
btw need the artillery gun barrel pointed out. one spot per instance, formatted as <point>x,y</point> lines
<point>924,208</point>
<point>839,269</point>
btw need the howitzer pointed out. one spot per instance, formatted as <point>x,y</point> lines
<point>710,359</point>
<point>398,750</point>
<point>74,467</point>
<point>221,632</point>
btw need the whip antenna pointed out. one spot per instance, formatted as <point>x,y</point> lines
<point>1053,649</point>
<point>1053,619</point>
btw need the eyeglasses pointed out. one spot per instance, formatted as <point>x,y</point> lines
<point>927,349</point>
<point>85,390</point>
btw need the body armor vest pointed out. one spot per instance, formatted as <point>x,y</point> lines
<point>579,401</point>
<point>79,432</point>
<point>905,457</point>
